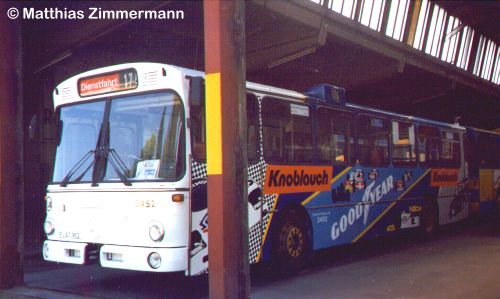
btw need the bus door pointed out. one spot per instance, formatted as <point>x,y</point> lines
<point>198,259</point>
<point>198,218</point>
<point>255,179</point>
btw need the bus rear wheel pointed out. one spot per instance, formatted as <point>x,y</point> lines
<point>292,248</point>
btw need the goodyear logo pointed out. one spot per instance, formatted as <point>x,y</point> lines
<point>373,195</point>
<point>291,179</point>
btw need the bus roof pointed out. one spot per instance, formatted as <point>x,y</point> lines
<point>408,117</point>
<point>266,89</point>
<point>65,86</point>
<point>484,131</point>
<point>297,95</point>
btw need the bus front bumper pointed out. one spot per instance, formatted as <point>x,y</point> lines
<point>118,257</point>
<point>66,252</point>
<point>137,258</point>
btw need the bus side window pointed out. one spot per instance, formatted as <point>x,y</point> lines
<point>287,132</point>
<point>489,147</point>
<point>252,128</point>
<point>451,148</point>
<point>428,143</point>
<point>373,141</point>
<point>334,136</point>
<point>301,143</point>
<point>199,134</point>
<point>403,140</point>
<point>274,120</point>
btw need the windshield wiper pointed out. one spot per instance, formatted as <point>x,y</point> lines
<point>77,166</point>
<point>118,165</point>
<point>104,154</point>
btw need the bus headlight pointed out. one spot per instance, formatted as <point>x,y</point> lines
<point>48,227</point>
<point>154,260</point>
<point>156,231</point>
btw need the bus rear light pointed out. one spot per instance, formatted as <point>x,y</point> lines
<point>178,197</point>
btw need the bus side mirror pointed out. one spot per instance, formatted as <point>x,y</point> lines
<point>196,91</point>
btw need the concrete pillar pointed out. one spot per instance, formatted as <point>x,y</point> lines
<point>226,149</point>
<point>11,164</point>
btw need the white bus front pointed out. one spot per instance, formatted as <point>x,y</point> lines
<point>120,188</point>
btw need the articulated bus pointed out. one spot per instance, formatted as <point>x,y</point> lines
<point>129,188</point>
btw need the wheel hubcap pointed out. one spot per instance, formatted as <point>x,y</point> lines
<point>294,241</point>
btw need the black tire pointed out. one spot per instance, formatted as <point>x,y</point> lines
<point>430,218</point>
<point>292,243</point>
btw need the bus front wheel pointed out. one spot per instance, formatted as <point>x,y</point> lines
<point>292,248</point>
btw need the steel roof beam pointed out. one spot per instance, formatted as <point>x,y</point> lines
<point>311,14</point>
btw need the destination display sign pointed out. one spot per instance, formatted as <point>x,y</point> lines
<point>444,177</point>
<point>108,83</point>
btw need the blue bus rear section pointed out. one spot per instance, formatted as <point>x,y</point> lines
<point>368,201</point>
<point>421,168</point>
<point>482,150</point>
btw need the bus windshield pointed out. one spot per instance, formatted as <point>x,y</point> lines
<point>136,138</point>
